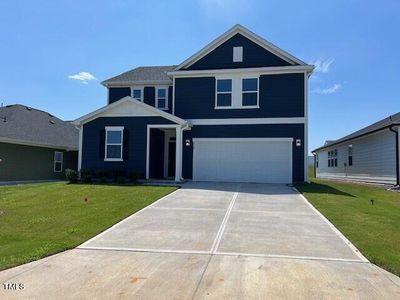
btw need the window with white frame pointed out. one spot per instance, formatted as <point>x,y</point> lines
<point>137,93</point>
<point>113,143</point>
<point>162,98</point>
<point>249,91</point>
<point>58,161</point>
<point>224,92</point>
<point>236,92</point>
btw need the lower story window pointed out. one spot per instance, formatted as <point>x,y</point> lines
<point>114,141</point>
<point>58,161</point>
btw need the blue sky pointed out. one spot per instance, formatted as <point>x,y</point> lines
<point>355,44</point>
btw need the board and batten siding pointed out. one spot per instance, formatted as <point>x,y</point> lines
<point>374,159</point>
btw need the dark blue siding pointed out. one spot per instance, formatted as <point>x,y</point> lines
<point>156,153</point>
<point>295,131</point>
<point>281,95</point>
<point>114,94</point>
<point>137,127</point>
<point>149,96</point>
<point>253,56</point>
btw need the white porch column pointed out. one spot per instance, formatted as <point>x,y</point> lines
<point>80,148</point>
<point>178,154</point>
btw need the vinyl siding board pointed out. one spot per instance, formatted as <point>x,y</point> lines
<point>137,127</point>
<point>295,131</point>
<point>280,96</point>
<point>20,162</point>
<point>114,94</point>
<point>253,56</point>
<point>374,159</point>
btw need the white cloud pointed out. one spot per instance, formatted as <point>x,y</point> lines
<point>323,66</point>
<point>83,77</point>
<point>329,90</point>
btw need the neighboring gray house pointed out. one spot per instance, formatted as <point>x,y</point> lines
<point>368,155</point>
<point>35,145</point>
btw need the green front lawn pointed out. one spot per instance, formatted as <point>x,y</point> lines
<point>373,228</point>
<point>38,220</point>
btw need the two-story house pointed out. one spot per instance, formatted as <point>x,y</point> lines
<point>234,111</point>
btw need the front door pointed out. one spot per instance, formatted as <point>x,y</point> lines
<point>171,158</point>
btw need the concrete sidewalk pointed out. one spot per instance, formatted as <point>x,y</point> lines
<point>211,240</point>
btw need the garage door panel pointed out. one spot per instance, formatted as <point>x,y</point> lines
<point>242,161</point>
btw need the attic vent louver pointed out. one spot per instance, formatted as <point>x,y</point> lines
<point>28,108</point>
<point>51,122</point>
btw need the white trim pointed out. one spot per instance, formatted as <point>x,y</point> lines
<point>141,89</point>
<point>133,83</point>
<point>118,129</point>
<point>306,179</point>
<point>173,95</point>
<point>56,161</point>
<point>80,148</point>
<point>237,91</point>
<point>159,126</point>
<point>245,121</point>
<point>157,112</point>
<point>35,144</point>
<point>242,140</point>
<point>251,71</point>
<point>178,154</point>
<point>166,88</point>
<point>248,34</point>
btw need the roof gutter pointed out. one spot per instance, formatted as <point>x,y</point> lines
<point>354,137</point>
<point>397,154</point>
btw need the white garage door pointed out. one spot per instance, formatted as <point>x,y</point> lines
<point>243,160</point>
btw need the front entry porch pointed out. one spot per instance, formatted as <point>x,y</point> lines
<point>164,155</point>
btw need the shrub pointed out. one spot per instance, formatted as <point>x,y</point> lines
<point>103,179</point>
<point>71,175</point>
<point>100,174</point>
<point>121,179</point>
<point>86,176</point>
<point>134,175</point>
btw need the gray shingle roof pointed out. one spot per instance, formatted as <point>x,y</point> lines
<point>25,124</point>
<point>382,124</point>
<point>142,74</point>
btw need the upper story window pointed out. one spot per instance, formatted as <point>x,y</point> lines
<point>113,143</point>
<point>224,92</point>
<point>237,54</point>
<point>236,92</point>
<point>350,155</point>
<point>332,158</point>
<point>162,98</point>
<point>137,93</point>
<point>249,91</point>
<point>58,161</point>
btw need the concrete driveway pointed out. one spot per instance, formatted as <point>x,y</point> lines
<point>216,241</point>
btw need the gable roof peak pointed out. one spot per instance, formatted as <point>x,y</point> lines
<point>238,28</point>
